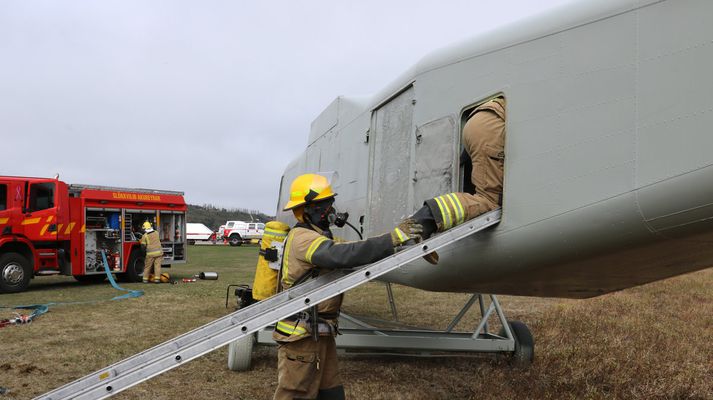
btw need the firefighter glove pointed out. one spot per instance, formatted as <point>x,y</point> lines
<point>406,230</point>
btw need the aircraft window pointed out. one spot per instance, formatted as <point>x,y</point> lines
<point>41,196</point>
<point>3,197</point>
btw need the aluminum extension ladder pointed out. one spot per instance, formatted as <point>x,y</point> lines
<point>172,353</point>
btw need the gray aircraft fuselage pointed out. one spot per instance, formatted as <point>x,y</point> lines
<point>609,150</point>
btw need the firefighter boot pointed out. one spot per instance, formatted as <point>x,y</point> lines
<point>335,393</point>
<point>425,218</point>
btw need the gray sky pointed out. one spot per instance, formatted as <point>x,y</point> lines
<point>212,98</point>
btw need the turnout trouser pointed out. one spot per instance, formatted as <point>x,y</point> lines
<point>484,140</point>
<point>307,369</point>
<point>152,264</point>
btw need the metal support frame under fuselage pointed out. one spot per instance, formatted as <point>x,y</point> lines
<point>359,335</point>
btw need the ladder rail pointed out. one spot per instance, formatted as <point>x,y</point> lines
<point>181,349</point>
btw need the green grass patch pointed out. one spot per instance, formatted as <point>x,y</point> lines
<point>646,342</point>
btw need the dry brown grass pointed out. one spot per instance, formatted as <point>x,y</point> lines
<point>646,342</point>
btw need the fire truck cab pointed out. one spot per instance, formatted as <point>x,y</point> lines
<point>48,227</point>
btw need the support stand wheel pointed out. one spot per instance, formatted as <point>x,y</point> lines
<point>240,353</point>
<point>524,352</point>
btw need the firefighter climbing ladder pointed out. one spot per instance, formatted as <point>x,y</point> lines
<point>170,354</point>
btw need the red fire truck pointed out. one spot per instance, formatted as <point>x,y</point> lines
<point>48,227</point>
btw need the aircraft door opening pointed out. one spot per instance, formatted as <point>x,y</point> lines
<point>390,163</point>
<point>487,145</point>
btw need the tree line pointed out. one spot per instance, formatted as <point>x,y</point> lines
<point>213,217</point>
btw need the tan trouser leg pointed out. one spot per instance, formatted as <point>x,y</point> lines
<point>152,264</point>
<point>157,268</point>
<point>148,264</point>
<point>484,140</point>
<point>305,366</point>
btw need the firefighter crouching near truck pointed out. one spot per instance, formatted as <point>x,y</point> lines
<point>307,353</point>
<point>151,244</point>
<point>484,140</point>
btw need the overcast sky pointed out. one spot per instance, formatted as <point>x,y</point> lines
<point>212,98</point>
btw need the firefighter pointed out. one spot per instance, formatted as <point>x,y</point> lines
<point>151,244</point>
<point>484,140</point>
<point>307,354</point>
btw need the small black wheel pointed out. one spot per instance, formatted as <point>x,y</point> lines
<point>90,278</point>
<point>15,273</point>
<point>191,242</point>
<point>135,268</point>
<point>524,352</point>
<point>235,240</point>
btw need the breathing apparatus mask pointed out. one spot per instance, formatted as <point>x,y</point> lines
<point>321,214</point>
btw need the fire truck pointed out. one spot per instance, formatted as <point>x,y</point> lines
<point>48,227</point>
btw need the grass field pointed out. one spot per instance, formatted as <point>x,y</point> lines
<point>649,342</point>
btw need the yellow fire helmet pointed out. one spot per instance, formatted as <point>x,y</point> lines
<point>147,225</point>
<point>309,188</point>
<point>165,277</point>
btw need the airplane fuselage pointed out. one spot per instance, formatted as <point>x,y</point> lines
<point>608,168</point>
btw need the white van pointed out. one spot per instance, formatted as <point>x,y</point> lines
<point>239,232</point>
<point>198,231</point>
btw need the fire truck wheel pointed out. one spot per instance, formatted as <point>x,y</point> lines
<point>135,269</point>
<point>15,273</point>
<point>235,240</point>
<point>90,278</point>
<point>240,353</point>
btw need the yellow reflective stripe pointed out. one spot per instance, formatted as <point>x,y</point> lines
<point>450,211</point>
<point>457,207</point>
<point>59,228</point>
<point>443,218</point>
<point>31,221</point>
<point>285,258</point>
<point>69,228</point>
<point>50,218</point>
<point>273,232</point>
<point>290,328</point>
<point>299,193</point>
<point>445,212</point>
<point>44,229</point>
<point>4,220</point>
<point>84,229</point>
<point>402,236</point>
<point>313,247</point>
